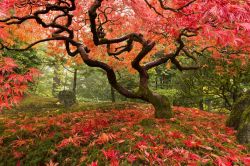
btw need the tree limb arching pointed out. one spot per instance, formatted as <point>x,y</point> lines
<point>164,7</point>
<point>98,36</point>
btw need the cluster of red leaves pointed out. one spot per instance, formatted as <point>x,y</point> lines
<point>12,84</point>
<point>218,23</point>
<point>6,5</point>
<point>192,137</point>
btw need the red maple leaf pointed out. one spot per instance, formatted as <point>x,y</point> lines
<point>12,84</point>
<point>245,160</point>
<point>131,158</point>
<point>110,154</point>
<point>192,143</point>
<point>93,163</point>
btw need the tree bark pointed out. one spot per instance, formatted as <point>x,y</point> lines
<point>56,80</point>
<point>201,104</point>
<point>162,106</point>
<point>112,94</point>
<point>75,79</point>
<point>209,106</point>
<point>161,103</point>
<point>156,82</point>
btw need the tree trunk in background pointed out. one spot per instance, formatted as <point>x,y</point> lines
<point>209,105</point>
<point>65,80</point>
<point>75,79</point>
<point>56,80</point>
<point>112,94</point>
<point>156,82</point>
<point>161,81</point>
<point>201,107</point>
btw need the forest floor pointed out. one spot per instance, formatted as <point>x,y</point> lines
<point>40,132</point>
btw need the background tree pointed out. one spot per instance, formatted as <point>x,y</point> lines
<point>121,29</point>
<point>217,84</point>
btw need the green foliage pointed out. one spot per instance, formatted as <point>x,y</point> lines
<point>210,87</point>
<point>26,59</point>
<point>54,77</point>
<point>44,83</point>
<point>171,94</point>
<point>92,85</point>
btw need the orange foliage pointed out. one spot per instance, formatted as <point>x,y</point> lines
<point>219,23</point>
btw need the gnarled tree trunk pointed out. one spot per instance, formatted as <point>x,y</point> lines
<point>240,118</point>
<point>162,106</point>
<point>161,103</point>
<point>126,43</point>
<point>112,92</point>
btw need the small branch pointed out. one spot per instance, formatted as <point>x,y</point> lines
<point>181,68</point>
<point>189,55</point>
<point>110,72</point>
<point>177,10</point>
<point>40,41</point>
<point>152,7</point>
<point>158,61</point>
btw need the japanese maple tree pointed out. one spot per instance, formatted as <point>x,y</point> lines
<point>13,84</point>
<point>115,34</point>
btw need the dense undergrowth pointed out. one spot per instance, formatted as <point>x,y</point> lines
<point>41,132</point>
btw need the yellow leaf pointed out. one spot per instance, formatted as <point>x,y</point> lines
<point>169,64</point>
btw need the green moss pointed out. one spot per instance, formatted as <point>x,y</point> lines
<point>125,146</point>
<point>160,102</point>
<point>2,128</point>
<point>238,109</point>
<point>36,106</point>
<point>36,103</point>
<point>115,128</point>
<point>136,127</point>
<point>6,160</point>
<point>240,118</point>
<point>94,154</point>
<point>39,154</point>
<point>184,129</point>
<point>246,116</point>
<point>20,134</point>
<point>68,155</point>
<point>162,106</point>
<point>54,128</point>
